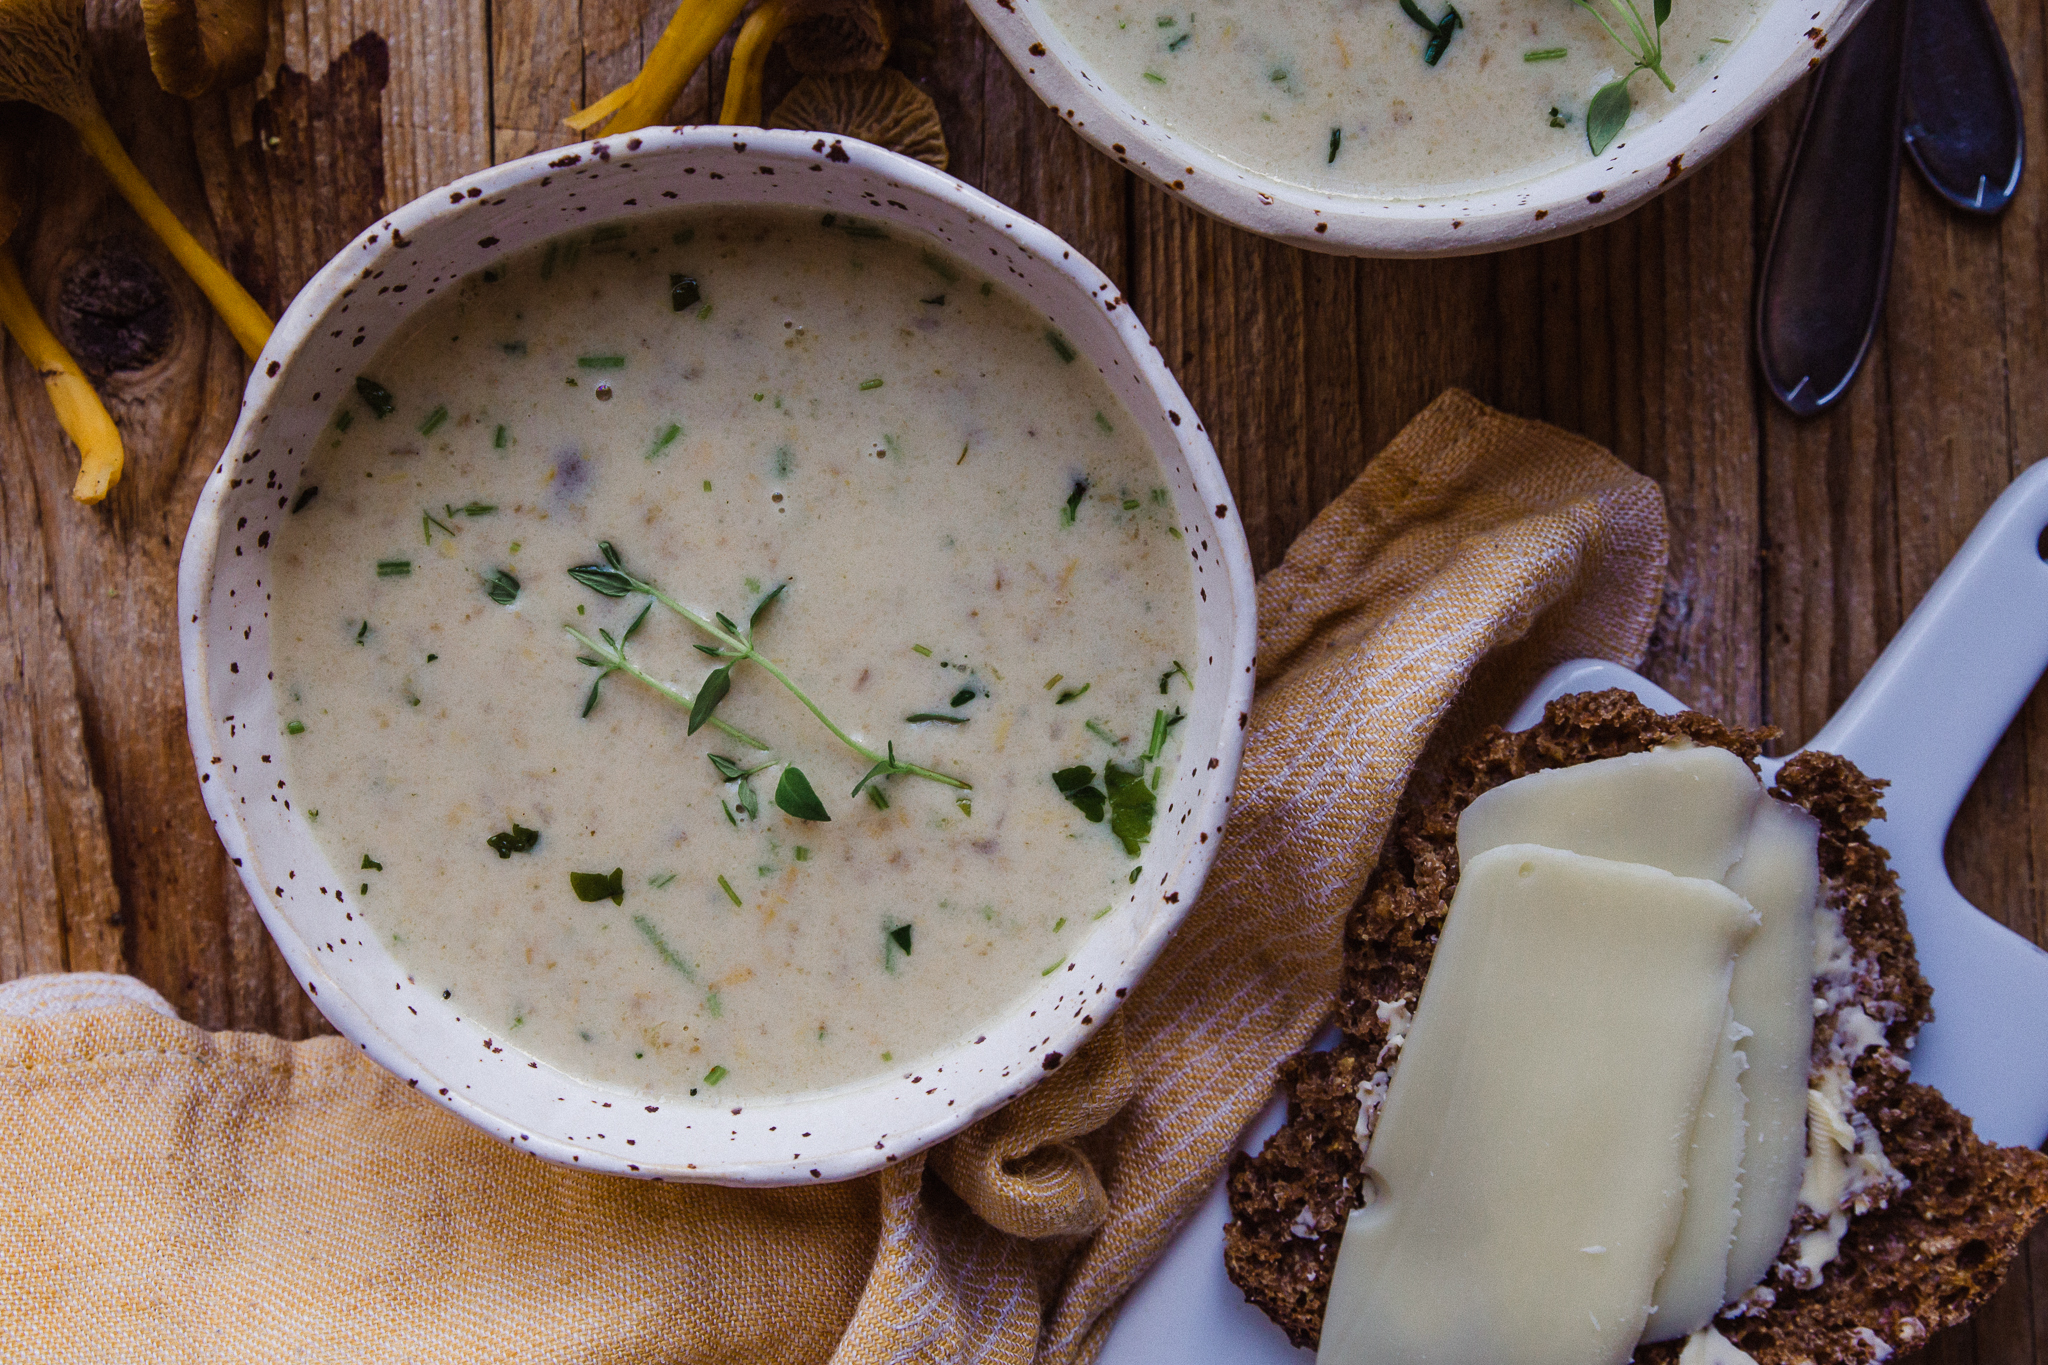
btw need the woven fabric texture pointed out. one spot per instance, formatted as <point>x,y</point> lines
<point>171,1195</point>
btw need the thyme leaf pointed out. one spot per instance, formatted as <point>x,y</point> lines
<point>795,797</point>
<point>501,587</point>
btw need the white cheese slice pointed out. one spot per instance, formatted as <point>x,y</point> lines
<point>1686,810</point>
<point>1528,1168</point>
<point>1773,997</point>
<point>1694,1282</point>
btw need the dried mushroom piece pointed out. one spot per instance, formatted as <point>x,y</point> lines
<point>199,46</point>
<point>79,410</point>
<point>820,37</point>
<point>42,62</point>
<point>882,107</point>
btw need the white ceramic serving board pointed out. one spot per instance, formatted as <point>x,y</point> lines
<point>1925,717</point>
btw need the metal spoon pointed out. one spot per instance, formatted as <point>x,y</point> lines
<point>1962,106</point>
<point>1823,278</point>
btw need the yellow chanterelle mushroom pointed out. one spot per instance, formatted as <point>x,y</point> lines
<point>79,410</point>
<point>199,46</point>
<point>883,107</point>
<point>42,61</point>
<point>820,38</point>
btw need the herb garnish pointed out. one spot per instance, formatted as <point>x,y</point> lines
<point>925,717</point>
<point>869,385</point>
<point>669,955</point>
<point>306,495</point>
<point>895,939</point>
<point>1072,693</point>
<point>1161,724</point>
<point>362,632</point>
<point>428,521</point>
<point>1167,676</point>
<point>735,644</point>
<point>1337,140</point>
<point>518,839</point>
<point>715,1075</point>
<point>794,795</point>
<point>434,420</point>
<point>376,396</point>
<point>611,657</point>
<point>962,697</point>
<point>295,727</point>
<point>1610,106</point>
<point>592,887</point>
<point>498,439</point>
<point>661,879</point>
<point>1544,54</point>
<point>394,568</point>
<point>726,887</point>
<point>600,362</point>
<point>1074,502</point>
<point>664,438</point>
<point>1061,347</point>
<point>371,864</point>
<point>683,293</point>
<point>501,587</point>
<point>1128,802</point>
<point>1440,31</point>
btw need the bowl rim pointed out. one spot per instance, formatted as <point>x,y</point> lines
<point>1072,278</point>
<point>1784,42</point>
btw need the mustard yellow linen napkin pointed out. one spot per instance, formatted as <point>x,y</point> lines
<point>172,1195</point>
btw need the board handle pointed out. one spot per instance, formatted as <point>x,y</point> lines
<point>1926,717</point>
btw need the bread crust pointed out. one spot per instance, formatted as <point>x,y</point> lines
<point>1921,1262</point>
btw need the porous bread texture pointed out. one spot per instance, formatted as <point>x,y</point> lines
<point>1921,1263</point>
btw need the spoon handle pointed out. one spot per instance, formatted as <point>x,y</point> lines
<point>1962,107</point>
<point>1823,278</point>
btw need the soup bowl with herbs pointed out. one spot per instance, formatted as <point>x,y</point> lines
<point>718,656</point>
<point>1413,127</point>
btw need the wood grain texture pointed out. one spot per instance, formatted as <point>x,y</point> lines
<point>1798,548</point>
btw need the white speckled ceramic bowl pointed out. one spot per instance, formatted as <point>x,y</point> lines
<point>1786,41</point>
<point>332,329</point>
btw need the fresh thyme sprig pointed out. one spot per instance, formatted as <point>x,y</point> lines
<point>734,643</point>
<point>1611,104</point>
<point>610,656</point>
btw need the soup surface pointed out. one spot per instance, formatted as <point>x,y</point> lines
<point>977,563</point>
<point>1335,94</point>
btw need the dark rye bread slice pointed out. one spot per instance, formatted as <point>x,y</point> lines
<point>1921,1263</point>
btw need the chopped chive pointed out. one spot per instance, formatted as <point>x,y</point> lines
<point>920,649</point>
<point>600,362</point>
<point>939,266</point>
<point>306,495</point>
<point>1101,732</point>
<point>1073,506</point>
<point>498,438</point>
<point>1132,504</point>
<point>295,727</point>
<point>376,396</point>
<point>1336,141</point>
<point>428,521</point>
<point>1059,924</point>
<point>1175,45</point>
<point>1061,347</point>
<point>1102,421</point>
<point>664,438</point>
<point>434,420</point>
<point>723,884</point>
<point>1052,680</point>
<point>661,879</point>
<point>346,420</point>
<point>1166,21</point>
<point>715,1075</point>
<point>1544,54</point>
<point>1072,693</point>
<point>473,509</point>
<point>802,854</point>
<point>1107,908</point>
<point>877,798</point>
<point>1054,967</point>
<point>1721,40</point>
<point>1155,78</point>
<point>922,717</point>
<point>669,955</point>
<point>394,568</point>
<point>867,385</point>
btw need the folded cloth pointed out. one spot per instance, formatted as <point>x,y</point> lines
<point>172,1195</point>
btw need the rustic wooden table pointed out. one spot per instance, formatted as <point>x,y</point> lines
<point>1797,548</point>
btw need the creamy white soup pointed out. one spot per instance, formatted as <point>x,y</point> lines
<point>771,447</point>
<point>1341,95</point>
